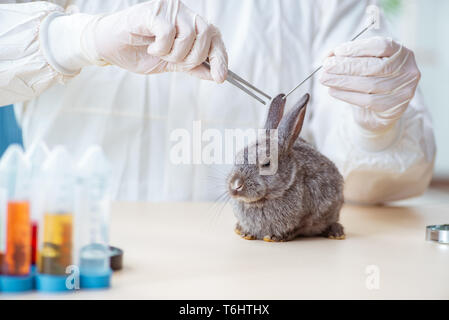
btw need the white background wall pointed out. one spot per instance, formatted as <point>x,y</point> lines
<point>423,25</point>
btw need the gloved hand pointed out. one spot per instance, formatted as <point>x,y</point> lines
<point>151,37</point>
<point>377,76</point>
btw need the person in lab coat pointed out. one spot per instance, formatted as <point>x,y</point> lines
<point>82,72</point>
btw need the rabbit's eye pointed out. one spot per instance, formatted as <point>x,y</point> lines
<point>265,164</point>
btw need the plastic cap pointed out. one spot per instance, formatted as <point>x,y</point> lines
<point>37,155</point>
<point>59,177</point>
<point>15,173</point>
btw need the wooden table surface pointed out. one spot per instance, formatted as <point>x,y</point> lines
<point>189,251</point>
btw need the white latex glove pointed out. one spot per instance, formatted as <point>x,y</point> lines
<point>151,37</point>
<point>376,75</point>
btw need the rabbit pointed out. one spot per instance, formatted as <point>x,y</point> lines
<point>303,197</point>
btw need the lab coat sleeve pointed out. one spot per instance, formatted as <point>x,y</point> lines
<point>24,71</point>
<point>394,165</point>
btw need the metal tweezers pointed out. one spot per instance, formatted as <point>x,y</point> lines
<point>252,90</point>
<point>244,85</point>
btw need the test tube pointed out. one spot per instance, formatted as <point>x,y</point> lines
<point>55,237</point>
<point>16,226</point>
<point>36,155</point>
<point>93,203</point>
<point>3,210</point>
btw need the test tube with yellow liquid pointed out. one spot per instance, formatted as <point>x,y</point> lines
<point>56,252</point>
<point>15,232</point>
<point>56,231</point>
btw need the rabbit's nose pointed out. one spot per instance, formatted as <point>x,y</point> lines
<point>237,185</point>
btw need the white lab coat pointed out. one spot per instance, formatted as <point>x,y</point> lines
<point>273,44</point>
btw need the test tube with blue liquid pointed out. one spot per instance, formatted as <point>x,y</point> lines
<point>93,206</point>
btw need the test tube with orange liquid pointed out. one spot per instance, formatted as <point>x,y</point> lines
<point>17,258</point>
<point>3,211</point>
<point>16,225</point>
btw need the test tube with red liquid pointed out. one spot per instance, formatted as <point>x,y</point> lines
<point>36,155</point>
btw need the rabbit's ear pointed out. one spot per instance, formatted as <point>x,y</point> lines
<point>291,124</point>
<point>275,112</point>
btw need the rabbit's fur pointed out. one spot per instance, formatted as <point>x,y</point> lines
<point>304,196</point>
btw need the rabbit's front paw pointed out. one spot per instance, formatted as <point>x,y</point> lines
<point>248,237</point>
<point>238,229</point>
<point>272,239</point>
<point>244,235</point>
<point>335,231</point>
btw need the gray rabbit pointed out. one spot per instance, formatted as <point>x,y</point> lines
<point>302,198</point>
